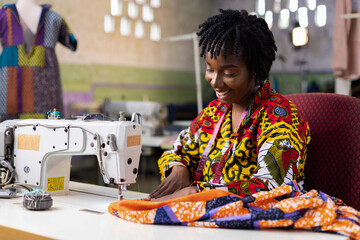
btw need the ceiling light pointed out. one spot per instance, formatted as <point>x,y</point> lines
<point>125,26</point>
<point>116,7</point>
<point>109,23</point>
<point>320,16</point>
<point>260,7</point>
<point>302,15</point>
<point>269,18</point>
<point>299,36</point>
<point>284,19</point>
<point>293,5</point>
<point>155,32</point>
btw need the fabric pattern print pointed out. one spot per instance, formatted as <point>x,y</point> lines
<point>314,211</point>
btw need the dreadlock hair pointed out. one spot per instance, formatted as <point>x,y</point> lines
<point>244,34</point>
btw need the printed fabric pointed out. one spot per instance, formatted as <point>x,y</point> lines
<point>269,150</point>
<point>30,82</point>
<point>283,207</point>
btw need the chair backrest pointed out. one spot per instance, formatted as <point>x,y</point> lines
<point>333,160</point>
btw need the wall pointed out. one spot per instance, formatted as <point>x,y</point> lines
<point>112,58</point>
<point>102,57</point>
<point>86,19</point>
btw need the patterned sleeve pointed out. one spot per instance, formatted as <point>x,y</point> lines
<point>282,146</point>
<point>185,151</point>
<point>66,37</point>
<point>242,188</point>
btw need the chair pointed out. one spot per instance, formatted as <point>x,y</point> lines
<point>333,160</point>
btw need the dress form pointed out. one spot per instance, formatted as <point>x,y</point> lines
<point>30,12</point>
<point>29,70</point>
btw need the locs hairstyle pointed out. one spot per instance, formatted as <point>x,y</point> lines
<point>245,35</point>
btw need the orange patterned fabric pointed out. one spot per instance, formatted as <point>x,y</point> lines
<point>283,207</point>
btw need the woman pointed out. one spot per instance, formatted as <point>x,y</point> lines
<point>251,138</point>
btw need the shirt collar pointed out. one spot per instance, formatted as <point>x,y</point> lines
<point>258,101</point>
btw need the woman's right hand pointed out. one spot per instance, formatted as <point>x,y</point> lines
<point>177,180</point>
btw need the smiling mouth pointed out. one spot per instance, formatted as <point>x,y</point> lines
<point>222,94</point>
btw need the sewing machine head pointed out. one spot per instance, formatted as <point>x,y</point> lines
<point>37,152</point>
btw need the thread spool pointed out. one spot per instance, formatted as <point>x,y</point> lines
<point>37,201</point>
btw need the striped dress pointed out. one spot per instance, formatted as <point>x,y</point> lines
<point>30,81</point>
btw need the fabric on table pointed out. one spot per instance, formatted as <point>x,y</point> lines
<point>283,207</point>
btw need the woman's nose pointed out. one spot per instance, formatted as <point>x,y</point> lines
<point>216,81</point>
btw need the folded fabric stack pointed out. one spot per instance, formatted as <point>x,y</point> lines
<point>283,207</point>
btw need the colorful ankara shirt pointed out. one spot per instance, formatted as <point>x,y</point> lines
<point>30,82</point>
<point>283,207</point>
<point>269,150</point>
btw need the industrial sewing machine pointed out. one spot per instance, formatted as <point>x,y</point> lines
<point>37,152</point>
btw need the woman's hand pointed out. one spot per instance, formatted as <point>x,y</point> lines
<point>183,192</point>
<point>178,179</point>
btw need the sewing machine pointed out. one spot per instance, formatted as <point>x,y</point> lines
<point>37,152</point>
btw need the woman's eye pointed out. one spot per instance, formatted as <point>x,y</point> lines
<point>229,74</point>
<point>209,70</point>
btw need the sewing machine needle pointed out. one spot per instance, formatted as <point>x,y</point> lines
<point>121,196</point>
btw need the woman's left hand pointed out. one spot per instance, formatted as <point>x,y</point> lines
<point>183,192</point>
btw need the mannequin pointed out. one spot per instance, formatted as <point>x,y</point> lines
<point>30,12</point>
<point>29,70</point>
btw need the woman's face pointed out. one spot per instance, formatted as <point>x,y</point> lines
<point>230,78</point>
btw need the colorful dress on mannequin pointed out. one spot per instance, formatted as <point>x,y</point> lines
<point>29,70</point>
